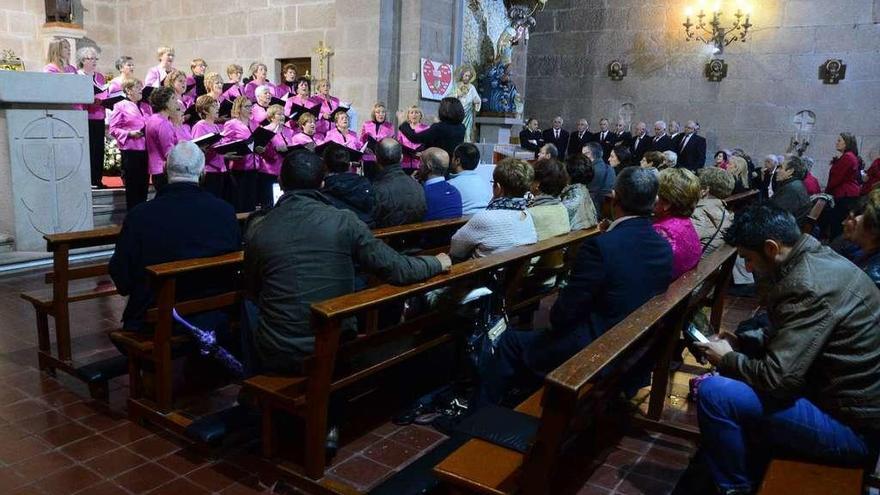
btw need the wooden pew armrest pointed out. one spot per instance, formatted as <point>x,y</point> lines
<point>481,467</point>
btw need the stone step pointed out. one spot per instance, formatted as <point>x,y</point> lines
<point>7,243</point>
<point>108,206</point>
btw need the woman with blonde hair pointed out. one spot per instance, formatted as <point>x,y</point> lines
<point>328,105</point>
<point>410,162</point>
<point>739,169</point>
<point>234,88</point>
<point>677,198</point>
<point>87,60</point>
<point>208,108</point>
<point>259,77</point>
<point>58,58</point>
<point>176,80</point>
<point>273,155</point>
<point>375,129</point>
<point>341,134</point>
<point>243,168</point>
<point>470,100</point>
<point>127,123</point>
<point>157,74</point>
<point>307,136</point>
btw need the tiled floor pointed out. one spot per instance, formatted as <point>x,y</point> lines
<point>55,440</point>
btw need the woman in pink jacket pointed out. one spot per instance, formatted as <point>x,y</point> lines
<point>307,136</point>
<point>273,155</point>
<point>176,80</point>
<point>302,97</point>
<point>677,198</point>
<point>215,166</point>
<point>58,58</point>
<point>127,125</point>
<point>157,74</point>
<point>87,59</point>
<point>258,78</point>
<point>287,87</point>
<point>162,133</point>
<point>342,134</point>
<point>243,168</point>
<point>328,105</point>
<point>125,66</point>
<point>844,183</point>
<point>410,162</point>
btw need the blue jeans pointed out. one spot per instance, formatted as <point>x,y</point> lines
<point>741,430</point>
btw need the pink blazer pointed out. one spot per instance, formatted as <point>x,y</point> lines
<point>272,158</point>
<point>186,100</point>
<point>155,75</point>
<point>214,163</point>
<point>161,136</point>
<point>233,93</point>
<point>95,110</point>
<point>282,90</point>
<point>380,132</point>
<point>128,117</point>
<point>323,125</point>
<point>306,102</point>
<point>54,69</point>
<point>684,241</point>
<point>303,138</point>
<point>410,162</point>
<point>251,88</point>
<point>234,130</point>
<point>259,114</point>
<point>349,140</point>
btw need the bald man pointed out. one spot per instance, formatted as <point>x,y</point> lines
<point>580,137</point>
<point>442,199</point>
<point>692,150</point>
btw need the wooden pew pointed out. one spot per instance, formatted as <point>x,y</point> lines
<point>157,348</point>
<point>307,396</point>
<point>55,302</point>
<point>812,218</point>
<point>579,389</point>
<point>737,202</point>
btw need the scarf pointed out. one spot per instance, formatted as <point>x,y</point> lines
<point>544,199</point>
<point>517,204</point>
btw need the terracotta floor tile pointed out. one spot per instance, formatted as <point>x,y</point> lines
<point>89,448</point>
<point>361,472</point>
<point>217,476</point>
<point>154,447</point>
<point>622,458</point>
<point>179,486</point>
<point>669,457</point>
<point>61,397</point>
<point>417,437</point>
<point>635,484</point>
<point>68,481</point>
<point>43,421</point>
<point>244,488</point>
<point>386,429</point>
<point>38,467</point>
<point>11,433</point>
<point>78,410</point>
<point>127,433</point>
<point>9,395</point>
<point>65,434</point>
<point>362,442</point>
<point>658,471</point>
<point>26,490</point>
<point>144,478</point>
<point>103,421</point>
<point>183,461</point>
<point>606,477</point>
<point>593,490</point>
<point>115,462</point>
<point>633,444</point>
<point>23,409</point>
<point>391,453</point>
<point>10,479</point>
<point>22,449</point>
<point>105,488</point>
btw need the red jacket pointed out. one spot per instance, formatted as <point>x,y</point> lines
<point>873,177</point>
<point>811,183</point>
<point>843,179</point>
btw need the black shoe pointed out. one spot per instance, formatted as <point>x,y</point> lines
<point>331,445</point>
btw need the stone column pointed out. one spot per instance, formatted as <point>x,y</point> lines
<point>44,156</point>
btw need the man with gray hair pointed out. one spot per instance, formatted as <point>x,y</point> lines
<point>442,199</point>
<point>399,199</point>
<point>692,150</point>
<point>661,141</point>
<point>641,142</point>
<point>579,138</point>
<point>183,221</point>
<point>557,136</point>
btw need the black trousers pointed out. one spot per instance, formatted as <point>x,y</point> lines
<point>832,219</point>
<point>159,180</point>
<point>96,150</point>
<point>216,184</point>
<point>137,177</point>
<point>245,192</point>
<point>264,190</point>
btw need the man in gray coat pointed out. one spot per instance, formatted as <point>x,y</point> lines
<point>304,250</point>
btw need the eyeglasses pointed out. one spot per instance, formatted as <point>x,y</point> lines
<point>91,58</point>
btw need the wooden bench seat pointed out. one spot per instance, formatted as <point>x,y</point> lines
<point>737,202</point>
<point>812,219</point>
<point>43,297</point>
<point>784,477</point>
<point>581,386</point>
<point>307,396</point>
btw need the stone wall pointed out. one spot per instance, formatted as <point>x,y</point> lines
<point>771,78</point>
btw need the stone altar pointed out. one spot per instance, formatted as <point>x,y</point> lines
<point>44,156</point>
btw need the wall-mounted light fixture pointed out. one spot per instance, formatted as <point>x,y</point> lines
<point>617,70</point>
<point>712,32</point>
<point>832,71</point>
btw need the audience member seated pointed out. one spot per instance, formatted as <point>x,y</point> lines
<point>183,221</point>
<point>346,189</point>
<point>810,181</point>
<point>399,198</point>
<point>670,160</point>
<point>620,158</point>
<point>739,169</point>
<point>607,282</point>
<point>576,196</point>
<point>653,160</point>
<point>862,228</point>
<point>790,193</point>
<point>476,191</point>
<point>677,198</point>
<point>603,175</point>
<point>305,251</point>
<point>442,200</point>
<point>547,152</point>
<point>710,217</point>
<point>767,176</point>
<point>506,222</point>
<point>548,213</point>
<point>872,177</point>
<point>811,389</point>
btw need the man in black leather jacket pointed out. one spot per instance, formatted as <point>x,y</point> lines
<point>814,389</point>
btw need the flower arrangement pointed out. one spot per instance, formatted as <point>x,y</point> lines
<point>112,157</point>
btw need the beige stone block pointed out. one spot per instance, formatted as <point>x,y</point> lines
<point>21,23</point>
<point>782,40</point>
<point>13,5</point>
<point>857,38</point>
<point>236,25</point>
<point>290,45</point>
<point>265,21</point>
<point>248,47</point>
<point>289,19</point>
<point>316,16</point>
<point>813,13</point>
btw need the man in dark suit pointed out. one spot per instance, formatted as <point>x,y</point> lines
<point>184,221</point>
<point>622,137</point>
<point>692,150</point>
<point>675,134</point>
<point>580,137</point>
<point>605,137</point>
<point>661,141</point>
<point>641,142</point>
<point>607,283</point>
<point>557,136</point>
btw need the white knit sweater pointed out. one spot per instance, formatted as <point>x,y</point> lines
<point>492,231</point>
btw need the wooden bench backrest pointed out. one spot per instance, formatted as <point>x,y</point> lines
<point>737,202</point>
<point>809,222</point>
<point>568,387</point>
